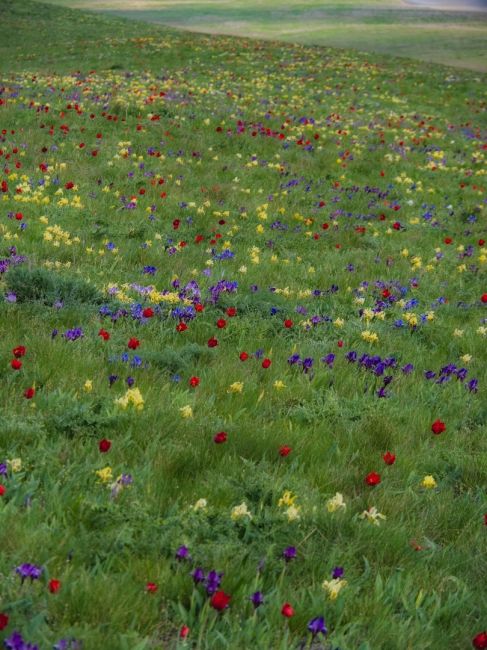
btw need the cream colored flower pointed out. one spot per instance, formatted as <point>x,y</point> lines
<point>336,503</point>
<point>333,587</point>
<point>201,504</point>
<point>373,516</point>
<point>293,513</point>
<point>238,512</point>
<point>15,464</point>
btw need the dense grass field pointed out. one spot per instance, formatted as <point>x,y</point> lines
<point>243,342</point>
<point>456,36</point>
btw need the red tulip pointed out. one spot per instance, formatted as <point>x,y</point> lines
<point>29,393</point>
<point>133,344</point>
<point>3,621</point>
<point>220,600</point>
<point>151,587</point>
<point>480,641</point>
<point>212,343</point>
<point>287,610</point>
<point>220,437</point>
<point>104,334</point>
<point>389,459</point>
<point>284,451</point>
<point>16,364</point>
<point>183,632</point>
<point>148,312</point>
<point>181,327</point>
<point>2,490</point>
<point>220,323</point>
<point>373,479</point>
<point>104,445</point>
<point>483,298</point>
<point>231,311</point>
<point>194,381</point>
<point>243,356</point>
<point>438,427</point>
<point>54,586</point>
<point>288,323</point>
<point>266,363</point>
<point>19,351</point>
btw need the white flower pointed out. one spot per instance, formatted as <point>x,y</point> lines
<point>336,503</point>
<point>373,516</point>
<point>293,513</point>
<point>201,504</point>
<point>333,587</point>
<point>240,511</point>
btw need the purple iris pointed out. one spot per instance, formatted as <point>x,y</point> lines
<point>183,553</point>
<point>68,644</point>
<point>198,575</point>
<point>213,581</point>
<point>112,379</point>
<point>337,572</point>
<point>16,642</point>
<point>289,553</point>
<point>329,359</point>
<point>28,570</point>
<point>317,626</point>
<point>257,599</point>
<point>73,334</point>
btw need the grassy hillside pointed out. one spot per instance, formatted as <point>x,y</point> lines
<point>244,319</point>
<point>455,37</point>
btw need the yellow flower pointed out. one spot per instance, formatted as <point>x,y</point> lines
<point>105,475</point>
<point>88,386</point>
<point>458,333</point>
<point>236,387</point>
<point>333,587</point>
<point>370,337</point>
<point>466,358</point>
<point>279,385</point>
<point>336,503</point>
<point>373,516</point>
<point>132,396</point>
<point>186,411</point>
<point>240,511</point>
<point>287,499</point>
<point>428,482</point>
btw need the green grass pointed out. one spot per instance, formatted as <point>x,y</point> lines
<point>453,37</point>
<point>387,154</point>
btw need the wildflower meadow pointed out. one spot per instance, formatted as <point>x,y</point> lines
<point>243,329</point>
